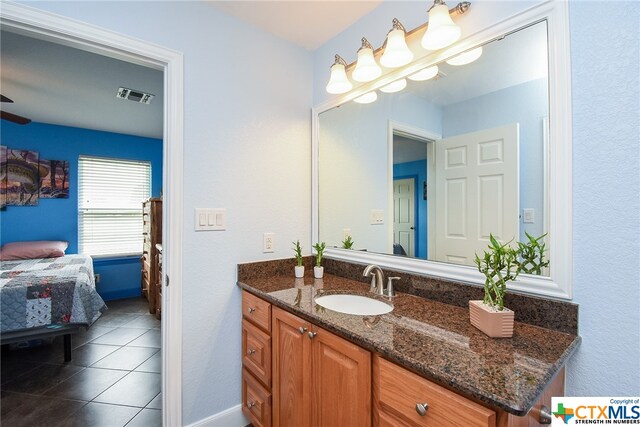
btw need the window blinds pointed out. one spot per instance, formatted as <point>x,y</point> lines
<point>110,196</point>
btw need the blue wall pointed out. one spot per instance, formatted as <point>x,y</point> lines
<point>57,219</point>
<point>417,170</point>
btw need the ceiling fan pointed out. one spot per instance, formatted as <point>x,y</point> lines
<point>4,115</point>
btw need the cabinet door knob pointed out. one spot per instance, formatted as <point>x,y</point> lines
<point>251,310</point>
<point>312,335</point>
<point>251,404</point>
<point>545,415</point>
<point>250,352</point>
<point>302,329</point>
<point>421,408</point>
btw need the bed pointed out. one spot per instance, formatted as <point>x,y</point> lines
<point>47,297</point>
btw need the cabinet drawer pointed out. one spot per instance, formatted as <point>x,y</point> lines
<point>256,401</point>
<point>397,391</point>
<point>256,352</point>
<point>257,311</point>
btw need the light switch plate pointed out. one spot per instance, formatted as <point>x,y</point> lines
<point>377,216</point>
<point>211,219</point>
<point>528,216</point>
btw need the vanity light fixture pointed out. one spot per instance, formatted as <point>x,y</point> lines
<point>396,86</point>
<point>396,52</point>
<point>441,31</point>
<point>367,98</point>
<point>424,74</point>
<point>466,57</point>
<point>366,68</point>
<point>339,83</point>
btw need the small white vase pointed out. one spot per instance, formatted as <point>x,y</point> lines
<point>299,271</point>
<point>318,272</point>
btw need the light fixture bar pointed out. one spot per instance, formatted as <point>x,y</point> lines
<point>458,9</point>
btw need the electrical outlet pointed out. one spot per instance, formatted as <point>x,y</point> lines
<point>268,242</point>
<point>97,277</point>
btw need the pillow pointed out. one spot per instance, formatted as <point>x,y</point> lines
<point>32,250</point>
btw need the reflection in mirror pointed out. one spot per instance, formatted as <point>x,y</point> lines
<point>431,171</point>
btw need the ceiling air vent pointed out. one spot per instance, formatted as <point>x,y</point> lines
<point>134,95</point>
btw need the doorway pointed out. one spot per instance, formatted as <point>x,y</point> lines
<point>410,170</point>
<point>31,22</point>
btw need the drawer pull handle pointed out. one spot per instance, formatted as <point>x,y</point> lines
<point>251,310</point>
<point>302,329</point>
<point>251,404</point>
<point>312,335</point>
<point>421,408</point>
<point>545,415</point>
<point>250,352</point>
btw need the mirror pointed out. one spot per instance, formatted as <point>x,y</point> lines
<point>431,171</point>
<point>353,182</point>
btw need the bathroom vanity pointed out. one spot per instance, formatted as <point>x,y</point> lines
<point>421,364</point>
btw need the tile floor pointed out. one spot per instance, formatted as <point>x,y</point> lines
<point>112,380</point>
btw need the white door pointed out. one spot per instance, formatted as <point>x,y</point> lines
<point>476,192</point>
<point>404,215</point>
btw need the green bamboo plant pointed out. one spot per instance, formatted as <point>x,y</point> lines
<point>503,263</point>
<point>499,265</point>
<point>531,258</point>
<point>319,247</point>
<point>347,243</point>
<point>297,249</point>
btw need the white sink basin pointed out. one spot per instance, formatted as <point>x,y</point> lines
<point>354,304</point>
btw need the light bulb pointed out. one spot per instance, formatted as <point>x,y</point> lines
<point>338,83</point>
<point>424,74</point>
<point>367,98</point>
<point>466,57</point>
<point>396,53</point>
<point>396,86</point>
<point>366,68</point>
<point>441,30</point>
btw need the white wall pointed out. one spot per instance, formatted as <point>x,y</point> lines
<point>606,246</point>
<point>247,132</point>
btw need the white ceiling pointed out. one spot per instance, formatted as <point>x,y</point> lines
<point>55,84</point>
<point>308,24</point>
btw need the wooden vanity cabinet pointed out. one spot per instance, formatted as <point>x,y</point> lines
<point>319,379</point>
<point>397,393</point>
<point>297,374</point>
<point>256,360</point>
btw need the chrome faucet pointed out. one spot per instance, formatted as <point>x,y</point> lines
<point>377,278</point>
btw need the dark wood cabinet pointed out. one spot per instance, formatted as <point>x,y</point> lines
<point>152,233</point>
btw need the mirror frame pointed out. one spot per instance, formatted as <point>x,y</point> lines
<point>559,174</point>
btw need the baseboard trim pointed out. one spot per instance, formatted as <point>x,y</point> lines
<point>232,417</point>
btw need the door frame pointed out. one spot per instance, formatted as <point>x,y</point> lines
<point>44,25</point>
<point>430,138</point>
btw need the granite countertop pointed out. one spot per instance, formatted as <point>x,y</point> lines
<point>433,339</point>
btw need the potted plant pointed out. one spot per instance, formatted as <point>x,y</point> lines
<point>531,255</point>
<point>299,268</point>
<point>347,243</point>
<point>499,265</point>
<point>318,270</point>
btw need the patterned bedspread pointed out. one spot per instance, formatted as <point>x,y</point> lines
<point>48,291</point>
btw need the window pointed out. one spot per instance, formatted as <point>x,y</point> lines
<point>110,196</point>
